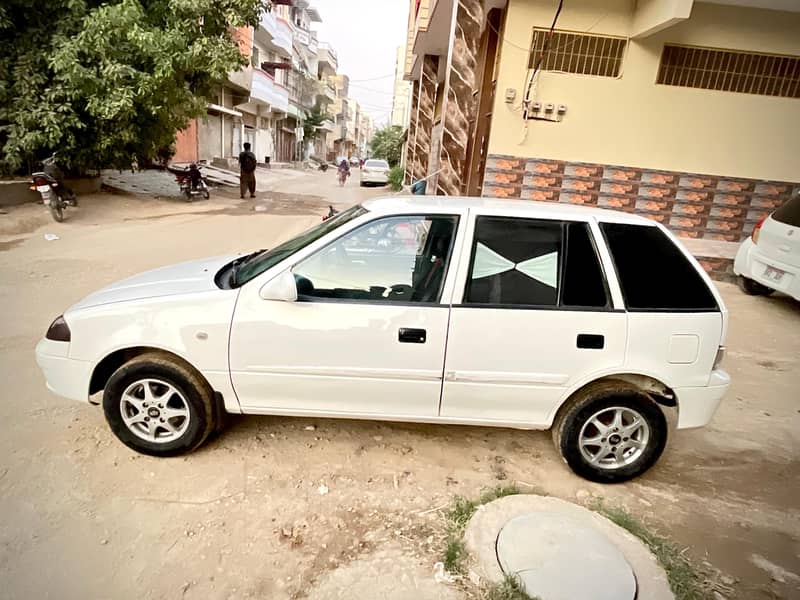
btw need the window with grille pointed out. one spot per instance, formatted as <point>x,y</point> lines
<point>581,53</point>
<point>730,71</point>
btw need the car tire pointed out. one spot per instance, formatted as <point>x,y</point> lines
<point>159,422</point>
<point>752,287</point>
<point>574,431</point>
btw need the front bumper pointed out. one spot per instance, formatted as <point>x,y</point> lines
<point>752,263</point>
<point>64,376</point>
<point>696,405</point>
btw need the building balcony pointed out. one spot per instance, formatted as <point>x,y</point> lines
<point>275,33</point>
<point>327,125</point>
<point>327,58</point>
<point>241,79</point>
<point>265,90</point>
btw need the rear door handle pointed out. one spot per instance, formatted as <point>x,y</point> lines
<point>411,336</point>
<point>591,341</point>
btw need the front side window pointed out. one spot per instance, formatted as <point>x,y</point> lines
<point>394,259</point>
<point>653,273</point>
<point>535,263</point>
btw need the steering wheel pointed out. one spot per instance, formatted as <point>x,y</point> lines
<point>398,291</point>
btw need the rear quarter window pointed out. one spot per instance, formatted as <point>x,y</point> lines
<point>789,213</point>
<point>653,272</point>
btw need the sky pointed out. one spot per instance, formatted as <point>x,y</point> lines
<point>365,35</point>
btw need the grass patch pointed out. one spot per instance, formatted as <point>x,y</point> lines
<point>509,589</point>
<point>457,518</point>
<point>686,582</point>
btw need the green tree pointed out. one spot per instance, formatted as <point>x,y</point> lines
<point>101,81</point>
<point>312,122</point>
<point>387,143</point>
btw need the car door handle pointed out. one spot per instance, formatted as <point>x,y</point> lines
<point>411,336</point>
<point>591,341</point>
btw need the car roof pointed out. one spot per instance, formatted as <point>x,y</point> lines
<point>514,208</point>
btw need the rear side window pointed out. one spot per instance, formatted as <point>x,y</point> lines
<point>653,272</point>
<point>789,213</point>
<point>535,263</point>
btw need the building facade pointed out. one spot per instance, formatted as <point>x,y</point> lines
<point>685,111</point>
<point>267,102</point>
<point>401,98</point>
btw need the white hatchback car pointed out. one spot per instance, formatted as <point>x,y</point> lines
<point>769,260</point>
<point>468,311</point>
<point>375,171</point>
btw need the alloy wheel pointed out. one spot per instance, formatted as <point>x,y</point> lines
<point>154,411</point>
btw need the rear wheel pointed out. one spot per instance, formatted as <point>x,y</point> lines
<point>158,406</point>
<point>57,209</point>
<point>752,287</point>
<point>610,432</point>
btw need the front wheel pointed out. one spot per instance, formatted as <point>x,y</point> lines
<point>752,287</point>
<point>57,209</point>
<point>610,432</point>
<point>158,406</point>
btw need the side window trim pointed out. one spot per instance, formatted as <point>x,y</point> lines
<point>607,265</point>
<point>445,295</point>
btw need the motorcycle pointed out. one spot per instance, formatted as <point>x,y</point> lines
<point>191,181</point>
<point>343,175</point>
<point>49,182</point>
<point>321,165</point>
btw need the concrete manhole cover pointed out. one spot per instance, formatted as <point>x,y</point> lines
<point>559,558</point>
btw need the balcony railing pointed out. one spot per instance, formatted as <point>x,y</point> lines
<point>265,89</point>
<point>275,32</point>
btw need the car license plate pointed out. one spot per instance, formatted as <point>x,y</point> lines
<point>774,275</point>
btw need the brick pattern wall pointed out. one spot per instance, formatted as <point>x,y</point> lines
<point>692,205</point>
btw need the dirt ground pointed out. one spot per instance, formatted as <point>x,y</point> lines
<point>289,508</point>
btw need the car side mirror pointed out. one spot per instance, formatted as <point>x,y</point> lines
<point>281,288</point>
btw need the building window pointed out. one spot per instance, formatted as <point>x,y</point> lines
<point>581,53</point>
<point>730,71</point>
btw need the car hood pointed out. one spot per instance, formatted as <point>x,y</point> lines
<point>184,278</point>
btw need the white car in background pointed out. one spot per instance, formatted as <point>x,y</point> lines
<point>769,260</point>
<point>589,322</point>
<point>375,172</point>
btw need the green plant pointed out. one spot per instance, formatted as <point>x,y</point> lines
<point>457,518</point>
<point>509,589</point>
<point>685,581</point>
<point>104,81</point>
<point>387,143</point>
<point>396,178</point>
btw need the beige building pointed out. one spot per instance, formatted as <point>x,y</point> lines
<point>685,111</point>
<point>401,99</point>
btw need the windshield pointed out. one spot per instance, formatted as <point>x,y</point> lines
<point>261,261</point>
<point>789,213</point>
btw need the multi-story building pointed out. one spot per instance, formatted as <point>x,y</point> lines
<point>686,111</point>
<point>266,102</point>
<point>401,99</point>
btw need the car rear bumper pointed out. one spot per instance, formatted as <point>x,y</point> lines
<point>370,178</point>
<point>65,376</point>
<point>697,405</point>
<point>752,263</point>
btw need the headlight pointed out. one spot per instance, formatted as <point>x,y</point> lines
<point>59,330</point>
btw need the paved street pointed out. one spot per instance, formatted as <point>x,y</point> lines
<point>243,517</point>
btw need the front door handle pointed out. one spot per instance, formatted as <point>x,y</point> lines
<point>591,341</point>
<point>411,336</point>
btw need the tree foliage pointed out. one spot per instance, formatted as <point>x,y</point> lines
<point>102,81</point>
<point>315,118</point>
<point>387,143</point>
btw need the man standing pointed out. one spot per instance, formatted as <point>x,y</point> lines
<point>247,171</point>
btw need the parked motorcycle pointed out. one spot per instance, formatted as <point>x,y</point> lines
<point>49,182</point>
<point>191,181</point>
<point>320,164</point>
